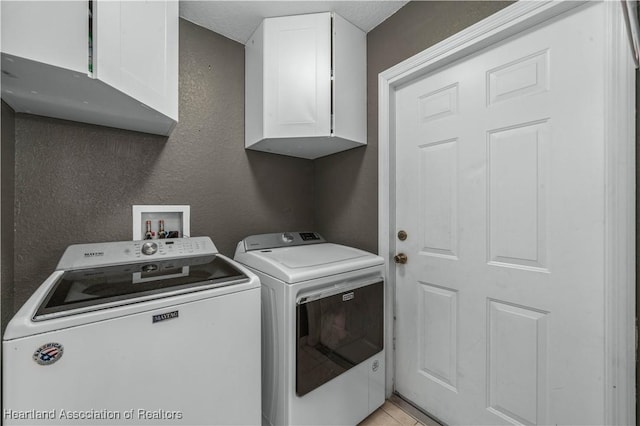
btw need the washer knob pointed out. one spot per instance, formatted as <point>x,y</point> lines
<point>287,237</point>
<point>149,248</point>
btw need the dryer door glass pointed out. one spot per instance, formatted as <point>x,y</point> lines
<point>335,332</point>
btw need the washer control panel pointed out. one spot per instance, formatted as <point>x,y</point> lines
<point>167,247</point>
<point>110,253</point>
<point>282,239</point>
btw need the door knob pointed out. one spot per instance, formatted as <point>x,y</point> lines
<point>400,258</point>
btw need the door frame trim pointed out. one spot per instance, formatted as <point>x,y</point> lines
<point>619,114</point>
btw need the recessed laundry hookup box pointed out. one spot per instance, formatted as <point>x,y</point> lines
<point>162,221</point>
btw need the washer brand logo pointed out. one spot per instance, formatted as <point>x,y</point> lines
<point>94,254</point>
<point>165,316</point>
<point>347,296</point>
<point>48,354</point>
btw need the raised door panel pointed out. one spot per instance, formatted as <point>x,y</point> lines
<point>51,32</point>
<point>137,51</point>
<point>297,76</point>
<point>517,182</point>
<point>438,199</point>
<point>438,334</point>
<point>517,363</point>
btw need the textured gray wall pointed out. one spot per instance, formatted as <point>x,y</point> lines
<point>76,183</point>
<point>7,192</point>
<point>347,183</point>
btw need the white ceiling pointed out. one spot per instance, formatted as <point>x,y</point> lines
<point>237,19</point>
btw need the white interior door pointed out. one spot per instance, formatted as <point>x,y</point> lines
<point>500,186</point>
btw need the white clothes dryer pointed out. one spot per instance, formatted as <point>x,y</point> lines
<point>323,358</point>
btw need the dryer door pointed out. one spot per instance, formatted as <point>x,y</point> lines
<point>336,329</point>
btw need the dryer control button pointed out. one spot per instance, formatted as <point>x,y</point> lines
<point>149,248</point>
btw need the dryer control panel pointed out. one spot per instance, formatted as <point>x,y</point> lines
<point>281,239</point>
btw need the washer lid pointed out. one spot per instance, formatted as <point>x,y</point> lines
<point>90,289</point>
<point>302,263</point>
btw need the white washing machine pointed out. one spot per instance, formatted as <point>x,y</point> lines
<point>323,358</point>
<point>163,332</point>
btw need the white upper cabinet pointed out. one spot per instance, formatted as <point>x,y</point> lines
<point>118,68</point>
<point>305,86</point>
<point>137,51</point>
<point>55,33</point>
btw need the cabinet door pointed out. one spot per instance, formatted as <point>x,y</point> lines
<point>297,76</point>
<point>51,32</point>
<point>136,49</point>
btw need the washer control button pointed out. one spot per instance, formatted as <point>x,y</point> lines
<point>287,237</point>
<point>149,248</point>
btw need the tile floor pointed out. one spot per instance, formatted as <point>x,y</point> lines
<point>390,414</point>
